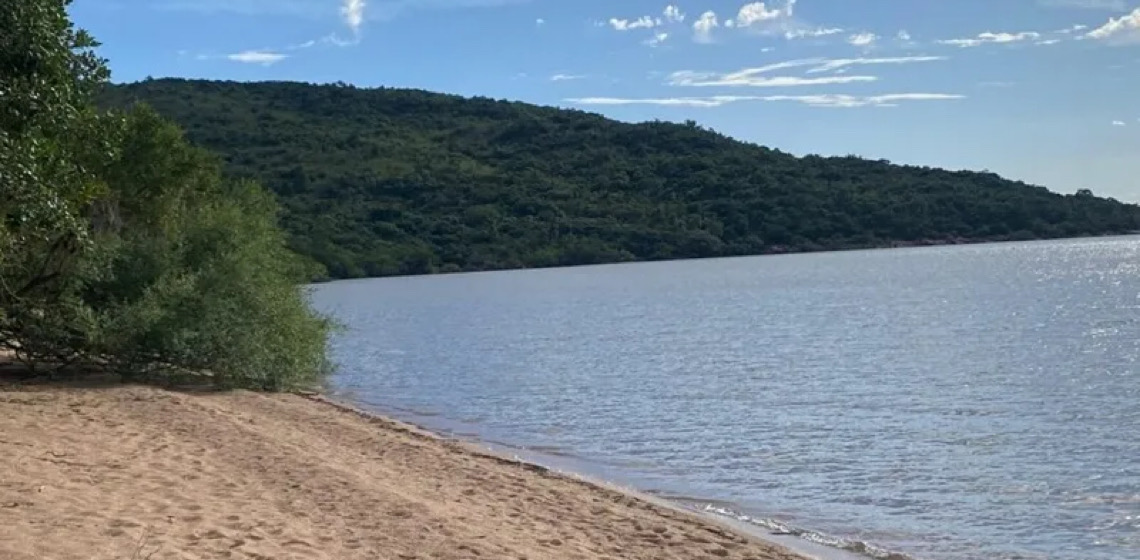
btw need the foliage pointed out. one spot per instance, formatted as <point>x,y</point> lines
<point>378,182</point>
<point>51,142</point>
<point>125,246</point>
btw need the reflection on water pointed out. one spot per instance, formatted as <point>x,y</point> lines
<point>950,402</point>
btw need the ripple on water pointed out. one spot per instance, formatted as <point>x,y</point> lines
<point>948,403</point>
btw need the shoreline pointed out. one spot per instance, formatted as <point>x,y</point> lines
<point>129,471</point>
<point>773,252</point>
<point>730,520</point>
<point>805,542</point>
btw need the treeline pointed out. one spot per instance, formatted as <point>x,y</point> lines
<point>122,248</point>
<point>379,182</point>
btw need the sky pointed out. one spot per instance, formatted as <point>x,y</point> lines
<point>1044,91</point>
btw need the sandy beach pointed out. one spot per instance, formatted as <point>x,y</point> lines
<point>138,472</point>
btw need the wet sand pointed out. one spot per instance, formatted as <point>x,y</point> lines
<point>139,472</point>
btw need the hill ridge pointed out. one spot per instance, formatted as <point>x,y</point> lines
<point>388,181</point>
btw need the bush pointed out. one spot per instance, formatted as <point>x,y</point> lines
<point>152,264</point>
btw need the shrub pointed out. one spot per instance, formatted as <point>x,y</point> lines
<point>139,256</point>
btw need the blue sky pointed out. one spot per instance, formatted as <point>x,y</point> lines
<point>1046,91</point>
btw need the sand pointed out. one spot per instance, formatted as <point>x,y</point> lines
<point>138,472</point>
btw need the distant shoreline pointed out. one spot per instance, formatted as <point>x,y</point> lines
<point>771,253</point>
<point>101,472</point>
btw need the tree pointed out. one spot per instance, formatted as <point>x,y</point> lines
<point>122,245</point>
<point>389,181</point>
<point>51,144</point>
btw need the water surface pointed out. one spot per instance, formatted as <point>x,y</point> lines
<point>951,403</point>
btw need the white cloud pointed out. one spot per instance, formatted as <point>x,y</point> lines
<point>566,77</point>
<point>715,101</point>
<point>1119,31</point>
<point>1073,29</point>
<point>863,39</point>
<point>704,26</point>
<point>887,100</point>
<point>764,17</point>
<point>673,14</point>
<point>828,65</point>
<point>265,58</point>
<point>832,100</point>
<point>353,12</point>
<point>643,22</point>
<point>1115,5</point>
<point>753,77</point>
<point>756,77</point>
<point>903,35</point>
<point>332,39</point>
<point>1047,42</point>
<point>805,32</point>
<point>657,39</point>
<point>989,37</point>
<point>756,12</point>
<point>1118,123</point>
<point>540,22</point>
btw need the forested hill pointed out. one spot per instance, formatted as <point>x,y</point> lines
<point>384,181</point>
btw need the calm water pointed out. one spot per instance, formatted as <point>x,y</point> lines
<point>950,403</point>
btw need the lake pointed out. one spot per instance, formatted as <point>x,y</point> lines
<point>948,403</point>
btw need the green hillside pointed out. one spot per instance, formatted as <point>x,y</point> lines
<point>379,182</point>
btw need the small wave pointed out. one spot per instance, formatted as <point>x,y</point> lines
<point>1105,499</point>
<point>777,527</point>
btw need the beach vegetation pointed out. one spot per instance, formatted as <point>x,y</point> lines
<point>122,246</point>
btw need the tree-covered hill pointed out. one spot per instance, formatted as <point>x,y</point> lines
<point>385,181</point>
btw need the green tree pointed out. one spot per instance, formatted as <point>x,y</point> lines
<point>124,246</point>
<point>52,143</point>
<point>388,181</point>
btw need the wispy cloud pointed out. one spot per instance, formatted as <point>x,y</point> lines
<point>704,26</point>
<point>265,58</point>
<point>848,101</point>
<point>715,101</point>
<point>1074,29</point>
<point>567,77</point>
<point>757,77</point>
<point>826,100</point>
<point>540,22</point>
<point>753,78</point>
<point>989,37</point>
<point>657,39</point>
<point>1118,123</point>
<point>1115,5</point>
<point>1124,30</point>
<point>1044,42</point>
<point>863,39</point>
<point>806,32</point>
<point>903,35</point>
<point>832,64</point>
